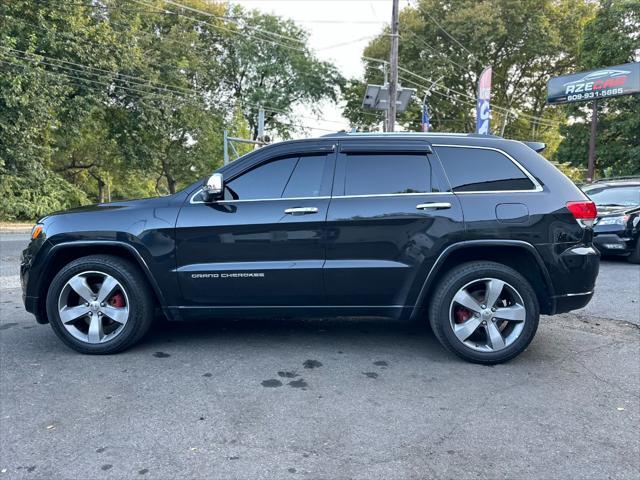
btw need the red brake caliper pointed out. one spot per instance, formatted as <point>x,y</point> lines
<point>461,314</point>
<point>116,300</point>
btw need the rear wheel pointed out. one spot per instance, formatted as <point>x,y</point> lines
<point>99,304</point>
<point>484,312</point>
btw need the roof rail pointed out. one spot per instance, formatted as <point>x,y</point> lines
<point>340,133</point>
<point>343,133</point>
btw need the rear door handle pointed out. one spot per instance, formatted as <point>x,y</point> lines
<point>301,211</point>
<point>434,205</point>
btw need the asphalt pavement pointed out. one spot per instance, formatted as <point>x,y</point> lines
<point>321,398</point>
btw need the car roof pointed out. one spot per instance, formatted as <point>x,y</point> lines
<point>615,182</point>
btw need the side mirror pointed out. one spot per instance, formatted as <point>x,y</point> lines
<point>213,188</point>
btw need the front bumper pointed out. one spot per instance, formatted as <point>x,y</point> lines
<point>571,301</point>
<point>613,244</point>
<point>28,280</point>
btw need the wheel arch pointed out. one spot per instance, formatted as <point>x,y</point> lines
<point>63,253</point>
<point>522,256</point>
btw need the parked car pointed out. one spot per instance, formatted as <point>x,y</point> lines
<point>617,227</point>
<point>477,234</point>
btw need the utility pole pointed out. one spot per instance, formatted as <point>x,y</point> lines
<point>260,124</point>
<point>592,142</point>
<point>385,124</point>
<point>393,60</point>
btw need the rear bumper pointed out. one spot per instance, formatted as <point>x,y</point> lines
<point>573,272</point>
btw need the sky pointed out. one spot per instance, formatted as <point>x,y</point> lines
<point>339,30</point>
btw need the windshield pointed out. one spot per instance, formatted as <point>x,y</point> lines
<point>624,196</point>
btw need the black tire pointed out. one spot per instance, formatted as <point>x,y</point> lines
<point>140,302</point>
<point>457,278</point>
<point>635,255</point>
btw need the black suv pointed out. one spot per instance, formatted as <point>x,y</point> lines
<point>617,228</point>
<point>478,234</point>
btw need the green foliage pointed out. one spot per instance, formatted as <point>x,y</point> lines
<point>37,194</point>
<point>276,73</point>
<point>119,98</point>
<point>611,38</point>
<point>525,42</point>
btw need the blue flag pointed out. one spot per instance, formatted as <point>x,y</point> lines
<point>483,111</point>
<point>426,126</point>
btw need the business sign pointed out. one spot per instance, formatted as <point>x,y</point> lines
<point>483,111</point>
<point>601,83</point>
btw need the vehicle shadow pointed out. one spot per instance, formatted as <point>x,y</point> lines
<point>310,332</point>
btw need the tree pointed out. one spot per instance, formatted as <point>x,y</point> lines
<point>112,98</point>
<point>276,71</point>
<point>451,42</point>
<point>611,38</point>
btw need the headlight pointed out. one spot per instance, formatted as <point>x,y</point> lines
<point>36,231</point>
<point>621,220</point>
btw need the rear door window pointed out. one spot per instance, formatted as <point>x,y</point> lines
<point>370,174</point>
<point>481,170</point>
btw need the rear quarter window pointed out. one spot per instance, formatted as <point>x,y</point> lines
<point>481,170</point>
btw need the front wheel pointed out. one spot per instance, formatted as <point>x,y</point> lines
<point>484,312</point>
<point>99,304</point>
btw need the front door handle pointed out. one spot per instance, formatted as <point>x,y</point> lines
<point>434,205</point>
<point>301,211</point>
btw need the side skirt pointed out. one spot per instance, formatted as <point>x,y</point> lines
<point>398,312</point>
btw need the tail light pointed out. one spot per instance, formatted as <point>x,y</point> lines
<point>584,212</point>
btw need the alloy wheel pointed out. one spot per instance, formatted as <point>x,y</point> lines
<point>487,315</point>
<point>93,307</point>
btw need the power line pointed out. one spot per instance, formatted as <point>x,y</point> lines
<point>128,78</point>
<point>220,27</point>
<point>342,44</point>
<point>496,107</point>
<point>426,45</point>
<point>169,95</point>
<point>257,29</point>
<point>140,81</point>
<point>540,120</point>
<point>431,88</point>
<point>448,34</point>
<point>339,22</point>
<point>49,72</point>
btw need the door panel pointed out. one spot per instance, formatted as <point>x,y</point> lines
<point>379,248</point>
<point>249,250</point>
<point>251,253</point>
<point>388,220</point>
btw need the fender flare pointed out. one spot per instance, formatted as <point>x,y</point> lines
<point>110,243</point>
<point>435,268</point>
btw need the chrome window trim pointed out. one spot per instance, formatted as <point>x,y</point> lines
<point>374,195</point>
<point>192,201</point>
<point>536,184</point>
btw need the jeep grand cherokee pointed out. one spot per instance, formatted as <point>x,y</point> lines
<point>476,234</point>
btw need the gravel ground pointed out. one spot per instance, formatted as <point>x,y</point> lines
<point>323,399</point>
